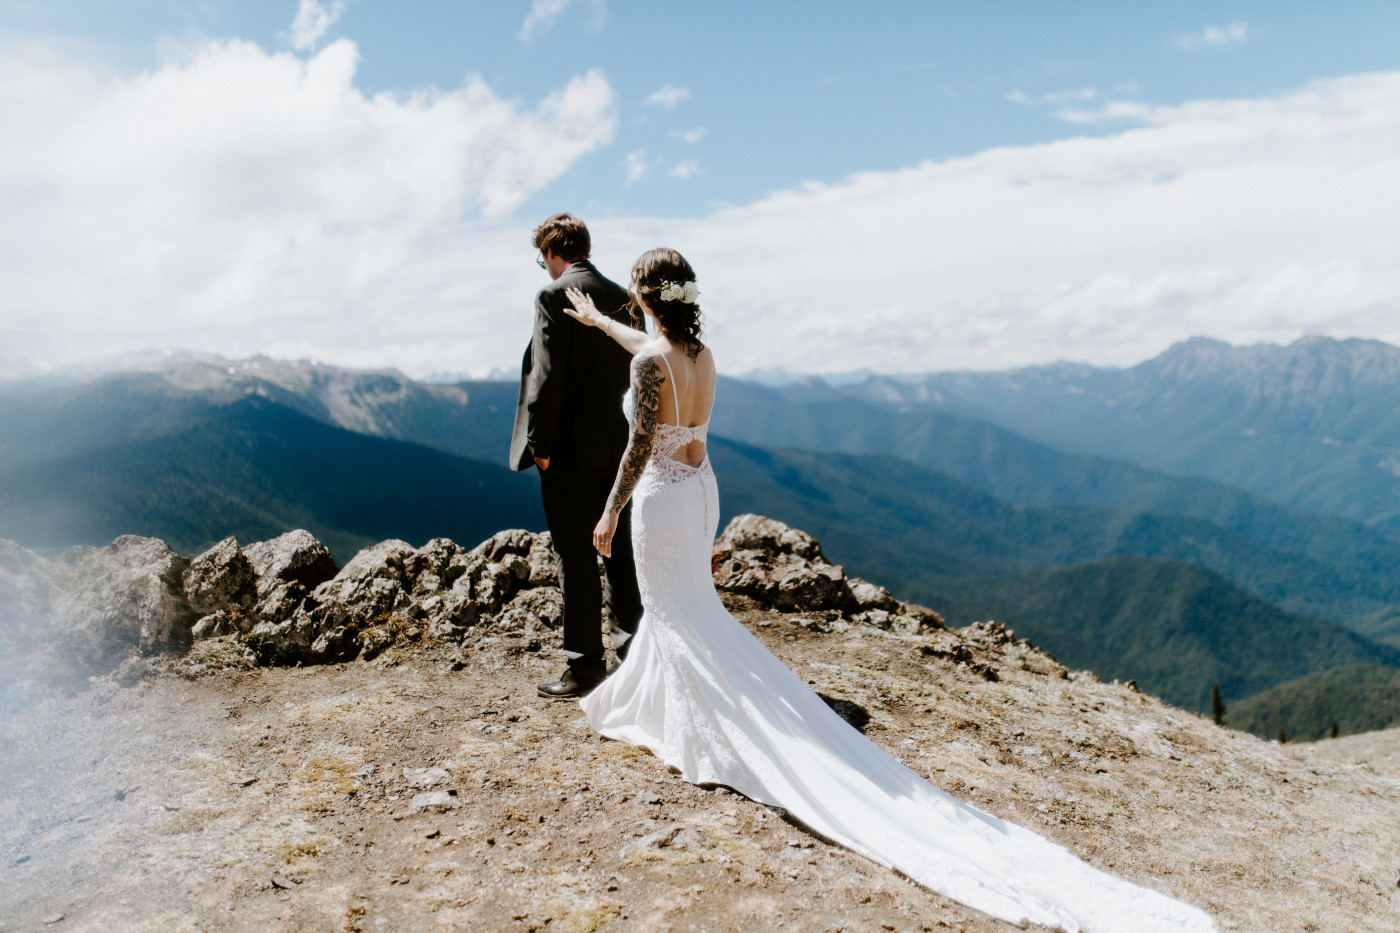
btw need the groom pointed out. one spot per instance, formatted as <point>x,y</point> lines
<point>569,424</point>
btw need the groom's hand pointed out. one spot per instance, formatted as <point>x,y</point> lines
<point>542,463</point>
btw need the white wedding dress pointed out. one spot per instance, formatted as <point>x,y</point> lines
<point>706,697</point>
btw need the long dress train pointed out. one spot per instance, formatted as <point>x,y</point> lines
<point>706,697</point>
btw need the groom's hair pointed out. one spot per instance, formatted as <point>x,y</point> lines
<point>565,236</point>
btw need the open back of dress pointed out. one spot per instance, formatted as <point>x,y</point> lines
<point>706,697</point>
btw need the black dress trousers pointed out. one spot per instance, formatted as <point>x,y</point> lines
<point>574,500</point>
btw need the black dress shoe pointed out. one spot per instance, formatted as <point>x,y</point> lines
<point>572,684</point>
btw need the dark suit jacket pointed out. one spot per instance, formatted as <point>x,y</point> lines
<point>572,380</point>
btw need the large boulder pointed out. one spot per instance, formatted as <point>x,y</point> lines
<point>778,566</point>
<point>128,595</point>
<point>783,568</point>
<point>375,583</point>
<point>222,588</point>
<point>515,541</point>
<point>533,610</point>
<point>435,566</point>
<point>221,578</point>
<point>288,567</point>
<point>756,533</point>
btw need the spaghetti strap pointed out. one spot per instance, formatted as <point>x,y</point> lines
<point>674,394</point>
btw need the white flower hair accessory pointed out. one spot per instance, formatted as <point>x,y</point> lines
<point>687,292</point>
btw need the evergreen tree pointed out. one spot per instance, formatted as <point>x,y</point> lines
<point>1282,736</point>
<point>1217,704</point>
<point>1336,729</point>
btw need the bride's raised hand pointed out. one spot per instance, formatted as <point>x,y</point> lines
<point>583,310</point>
<point>603,534</point>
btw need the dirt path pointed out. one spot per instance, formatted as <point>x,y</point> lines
<point>280,799</point>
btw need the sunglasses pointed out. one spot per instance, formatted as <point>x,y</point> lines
<point>539,260</point>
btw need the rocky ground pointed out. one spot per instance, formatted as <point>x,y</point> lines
<point>424,785</point>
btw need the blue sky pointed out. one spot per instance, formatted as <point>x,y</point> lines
<point>709,116</point>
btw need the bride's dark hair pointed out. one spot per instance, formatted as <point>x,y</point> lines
<point>657,268</point>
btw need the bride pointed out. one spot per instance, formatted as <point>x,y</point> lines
<point>706,697</point>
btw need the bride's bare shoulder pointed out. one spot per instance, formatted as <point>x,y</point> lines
<point>700,354</point>
<point>707,359</point>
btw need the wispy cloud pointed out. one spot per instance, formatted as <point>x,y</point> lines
<point>542,15</point>
<point>692,135</point>
<point>1086,105</point>
<point>668,96</point>
<point>312,21</point>
<point>687,168</point>
<point>1108,112</point>
<point>1213,36</point>
<point>636,165</point>
<point>1054,98</point>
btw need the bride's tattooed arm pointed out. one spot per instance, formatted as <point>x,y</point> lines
<point>646,386</point>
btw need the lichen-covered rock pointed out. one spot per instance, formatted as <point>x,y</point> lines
<point>545,603</point>
<point>783,568</point>
<point>128,595</point>
<point>449,614</point>
<point>756,533</point>
<point>778,566</point>
<point>869,596</point>
<point>511,541</point>
<point>284,642</point>
<point>434,566</point>
<point>222,578</point>
<point>805,587</point>
<point>995,640</point>
<point>544,566</point>
<point>375,581</point>
<point>284,601</point>
<point>215,625</point>
<point>367,591</point>
<point>288,568</point>
<point>492,585</point>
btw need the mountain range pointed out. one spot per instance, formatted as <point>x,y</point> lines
<point>1121,567</point>
<point>1314,425</point>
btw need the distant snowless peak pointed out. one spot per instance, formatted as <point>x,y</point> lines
<point>1366,358</point>
<point>167,360</point>
<point>1195,354</point>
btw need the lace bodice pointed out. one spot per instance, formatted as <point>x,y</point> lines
<point>669,437</point>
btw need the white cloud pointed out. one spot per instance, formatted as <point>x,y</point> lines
<point>312,21</point>
<point>1247,220</point>
<point>242,198</point>
<point>637,165</point>
<point>243,201</point>
<point>543,13</point>
<point>692,135</point>
<point>1214,36</point>
<point>1054,98</point>
<point>1107,112</point>
<point>687,168</point>
<point>668,96</point>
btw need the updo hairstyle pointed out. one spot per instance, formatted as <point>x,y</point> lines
<point>679,320</point>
